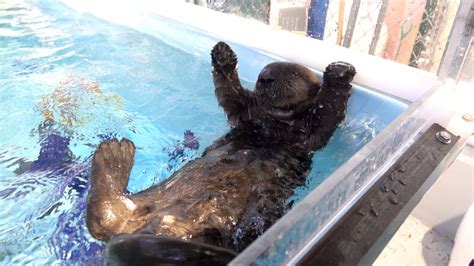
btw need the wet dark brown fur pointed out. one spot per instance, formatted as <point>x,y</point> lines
<point>241,184</point>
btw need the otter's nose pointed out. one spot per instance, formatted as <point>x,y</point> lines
<point>265,76</point>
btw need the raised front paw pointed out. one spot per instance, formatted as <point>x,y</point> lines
<point>339,72</point>
<point>223,58</point>
<point>113,160</point>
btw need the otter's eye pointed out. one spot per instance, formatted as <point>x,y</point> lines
<point>268,80</point>
<point>295,74</point>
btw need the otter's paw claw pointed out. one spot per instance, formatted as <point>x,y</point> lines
<point>114,159</point>
<point>223,58</point>
<point>342,71</point>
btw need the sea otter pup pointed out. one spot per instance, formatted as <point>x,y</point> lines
<point>241,184</point>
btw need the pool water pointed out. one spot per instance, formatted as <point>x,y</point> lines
<point>99,80</point>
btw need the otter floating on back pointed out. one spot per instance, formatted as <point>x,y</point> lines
<point>222,201</point>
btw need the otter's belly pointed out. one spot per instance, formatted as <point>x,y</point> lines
<point>227,189</point>
<point>209,193</point>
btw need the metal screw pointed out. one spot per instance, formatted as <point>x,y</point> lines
<point>443,137</point>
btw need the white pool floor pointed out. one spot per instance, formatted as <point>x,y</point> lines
<point>416,244</point>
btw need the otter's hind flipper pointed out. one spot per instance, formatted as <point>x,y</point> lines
<point>110,210</point>
<point>145,249</point>
<point>112,164</point>
<point>231,95</point>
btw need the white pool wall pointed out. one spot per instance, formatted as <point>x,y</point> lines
<point>377,73</point>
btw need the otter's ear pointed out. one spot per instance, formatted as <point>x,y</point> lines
<point>314,90</point>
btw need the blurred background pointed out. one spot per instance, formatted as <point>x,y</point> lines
<point>433,35</point>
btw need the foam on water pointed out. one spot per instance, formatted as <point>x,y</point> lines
<point>163,91</point>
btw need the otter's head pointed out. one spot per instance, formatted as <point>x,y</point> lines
<point>282,86</point>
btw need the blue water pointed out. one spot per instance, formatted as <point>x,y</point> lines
<point>152,89</point>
